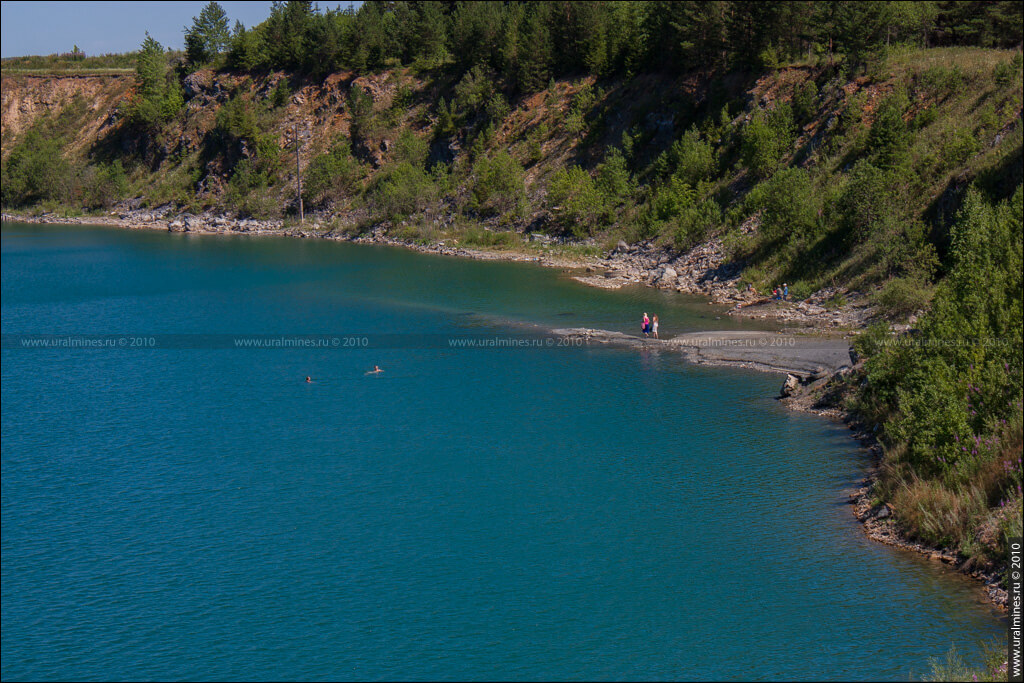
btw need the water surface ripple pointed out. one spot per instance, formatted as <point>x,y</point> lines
<point>543,514</point>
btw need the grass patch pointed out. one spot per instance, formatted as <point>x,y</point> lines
<point>475,236</point>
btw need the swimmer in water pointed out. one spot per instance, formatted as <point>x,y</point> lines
<point>308,380</point>
<point>376,370</point>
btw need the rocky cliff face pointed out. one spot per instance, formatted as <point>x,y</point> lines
<point>25,98</point>
<point>321,111</point>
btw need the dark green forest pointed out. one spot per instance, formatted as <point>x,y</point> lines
<point>528,43</point>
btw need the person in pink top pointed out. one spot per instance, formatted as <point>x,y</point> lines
<point>645,327</point>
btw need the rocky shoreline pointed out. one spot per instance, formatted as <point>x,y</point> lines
<point>705,271</point>
<point>823,396</point>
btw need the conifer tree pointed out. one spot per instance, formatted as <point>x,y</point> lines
<point>208,36</point>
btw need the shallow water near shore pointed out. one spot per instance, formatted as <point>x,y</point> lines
<point>536,514</point>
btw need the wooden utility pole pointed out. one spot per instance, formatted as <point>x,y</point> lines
<point>298,174</point>
<point>297,140</point>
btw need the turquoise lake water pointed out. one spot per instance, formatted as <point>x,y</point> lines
<point>535,514</point>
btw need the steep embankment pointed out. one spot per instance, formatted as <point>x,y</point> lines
<point>25,99</point>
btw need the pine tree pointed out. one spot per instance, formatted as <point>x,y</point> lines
<point>533,54</point>
<point>285,31</point>
<point>208,36</point>
<point>700,32</point>
<point>860,26</point>
<point>159,99</point>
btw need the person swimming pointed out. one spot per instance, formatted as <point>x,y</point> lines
<point>309,380</point>
<point>376,370</point>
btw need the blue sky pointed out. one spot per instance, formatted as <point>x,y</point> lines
<point>43,28</point>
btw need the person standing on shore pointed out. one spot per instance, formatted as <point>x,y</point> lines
<point>785,292</point>
<point>654,326</point>
<point>645,327</point>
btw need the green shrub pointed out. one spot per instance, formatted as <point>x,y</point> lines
<point>574,123</point>
<point>403,190</point>
<point>902,296</point>
<point>769,58</point>
<point>237,120</point>
<point>281,94</point>
<point>103,185</point>
<point>1003,74</point>
<point>498,187</point>
<point>695,222</point>
<point>575,201</point>
<point>576,118</point>
<point>614,179</point>
<point>411,148</point>
<point>958,148</point>
<point>445,124</point>
<point>851,115</point>
<point>940,81</point>
<point>360,106</point>
<point>671,199</point>
<point>403,98</point>
<point>247,190</point>
<point>175,183</point>
<point>954,668</point>
<point>253,176</point>
<point>583,99</point>
<point>35,170</point>
<point>497,108</point>
<point>888,138</point>
<point>800,290</point>
<point>789,207</point>
<point>535,146</point>
<point>926,118</point>
<point>805,101</point>
<point>867,203</point>
<point>754,276</point>
<point>690,158</point>
<point>766,140</point>
<point>872,340</point>
<point>331,176</point>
